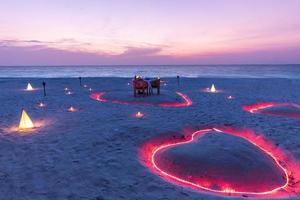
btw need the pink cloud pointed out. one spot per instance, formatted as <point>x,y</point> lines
<point>40,54</point>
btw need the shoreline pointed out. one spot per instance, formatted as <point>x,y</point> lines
<point>214,71</point>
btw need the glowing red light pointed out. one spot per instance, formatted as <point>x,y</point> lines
<point>186,101</point>
<point>259,107</point>
<point>99,96</point>
<point>288,165</point>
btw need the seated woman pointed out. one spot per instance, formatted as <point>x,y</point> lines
<point>140,86</point>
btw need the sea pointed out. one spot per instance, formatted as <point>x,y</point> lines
<point>190,71</point>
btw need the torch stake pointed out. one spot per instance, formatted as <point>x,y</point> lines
<point>44,86</point>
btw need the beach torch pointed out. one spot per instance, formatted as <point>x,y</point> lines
<point>25,122</point>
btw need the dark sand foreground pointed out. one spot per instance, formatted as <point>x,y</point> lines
<point>93,153</point>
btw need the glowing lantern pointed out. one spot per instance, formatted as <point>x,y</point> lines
<point>71,109</point>
<point>29,87</point>
<point>25,122</point>
<point>66,89</point>
<point>230,97</point>
<point>212,89</point>
<point>41,104</point>
<point>85,86</point>
<point>90,89</point>
<point>139,115</point>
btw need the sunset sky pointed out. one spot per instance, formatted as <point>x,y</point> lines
<point>65,32</point>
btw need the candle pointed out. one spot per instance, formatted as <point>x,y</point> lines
<point>71,109</point>
<point>139,115</point>
<point>41,104</point>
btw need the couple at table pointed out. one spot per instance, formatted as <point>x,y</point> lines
<point>145,86</point>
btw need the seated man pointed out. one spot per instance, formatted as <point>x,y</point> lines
<point>155,84</point>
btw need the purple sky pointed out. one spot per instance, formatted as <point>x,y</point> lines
<point>64,32</point>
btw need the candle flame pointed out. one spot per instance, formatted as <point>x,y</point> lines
<point>25,122</point>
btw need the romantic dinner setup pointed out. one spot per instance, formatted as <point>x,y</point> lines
<point>149,100</point>
<point>145,86</point>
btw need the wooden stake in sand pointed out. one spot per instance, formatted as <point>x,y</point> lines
<point>44,86</point>
<point>80,80</point>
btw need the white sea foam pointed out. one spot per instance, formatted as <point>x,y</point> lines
<point>220,71</point>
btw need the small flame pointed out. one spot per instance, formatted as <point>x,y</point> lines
<point>90,89</point>
<point>71,109</point>
<point>213,89</point>
<point>29,87</point>
<point>85,86</point>
<point>25,122</point>
<point>230,97</point>
<point>69,93</point>
<point>66,89</point>
<point>139,115</point>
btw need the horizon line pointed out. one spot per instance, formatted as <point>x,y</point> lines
<point>135,65</point>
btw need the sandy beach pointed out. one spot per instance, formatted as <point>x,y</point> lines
<point>94,153</point>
